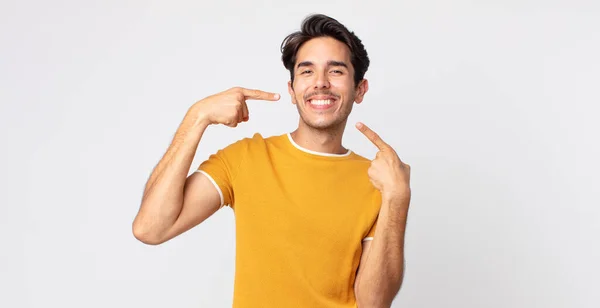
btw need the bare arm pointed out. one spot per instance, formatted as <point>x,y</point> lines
<point>173,203</point>
<point>381,268</point>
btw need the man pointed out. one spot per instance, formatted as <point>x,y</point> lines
<point>306,207</point>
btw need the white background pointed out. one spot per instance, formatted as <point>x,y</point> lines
<point>493,103</point>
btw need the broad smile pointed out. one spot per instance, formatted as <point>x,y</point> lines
<point>321,102</point>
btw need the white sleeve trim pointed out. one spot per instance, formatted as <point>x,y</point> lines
<point>215,184</point>
<point>368,238</point>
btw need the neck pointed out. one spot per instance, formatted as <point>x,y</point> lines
<point>320,140</point>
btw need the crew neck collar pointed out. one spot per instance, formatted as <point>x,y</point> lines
<point>297,146</point>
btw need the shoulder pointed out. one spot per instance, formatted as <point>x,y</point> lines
<point>258,140</point>
<point>360,158</point>
<point>244,142</point>
<point>251,142</point>
<point>359,161</point>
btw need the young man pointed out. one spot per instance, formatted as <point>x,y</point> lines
<point>306,207</point>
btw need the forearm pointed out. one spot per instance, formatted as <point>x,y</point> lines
<point>163,195</point>
<point>383,269</point>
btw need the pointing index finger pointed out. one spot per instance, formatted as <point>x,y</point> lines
<point>373,136</point>
<point>260,95</point>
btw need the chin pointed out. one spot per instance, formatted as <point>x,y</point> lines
<point>323,124</point>
<point>322,119</point>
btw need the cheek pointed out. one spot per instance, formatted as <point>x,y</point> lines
<point>299,89</point>
<point>341,86</point>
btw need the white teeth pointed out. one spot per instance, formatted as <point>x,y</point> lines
<point>321,102</point>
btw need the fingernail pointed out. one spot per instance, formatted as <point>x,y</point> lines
<point>276,96</point>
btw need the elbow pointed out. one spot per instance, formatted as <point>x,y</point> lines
<point>145,234</point>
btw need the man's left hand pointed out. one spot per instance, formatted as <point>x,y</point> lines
<point>387,172</point>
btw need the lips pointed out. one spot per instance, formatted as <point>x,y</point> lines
<point>321,102</point>
<point>322,98</point>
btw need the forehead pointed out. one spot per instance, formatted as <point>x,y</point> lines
<point>323,49</point>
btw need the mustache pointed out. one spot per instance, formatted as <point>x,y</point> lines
<point>328,93</point>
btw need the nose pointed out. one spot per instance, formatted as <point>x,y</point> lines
<point>322,81</point>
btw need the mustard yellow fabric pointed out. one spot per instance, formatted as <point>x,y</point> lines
<point>301,218</point>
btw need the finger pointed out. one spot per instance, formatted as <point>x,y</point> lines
<point>231,123</point>
<point>371,135</point>
<point>239,112</point>
<point>259,95</point>
<point>245,113</point>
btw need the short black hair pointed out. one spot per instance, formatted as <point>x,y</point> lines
<point>319,25</point>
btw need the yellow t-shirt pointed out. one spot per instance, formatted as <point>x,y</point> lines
<point>301,218</point>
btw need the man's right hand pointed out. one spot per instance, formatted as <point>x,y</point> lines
<point>228,107</point>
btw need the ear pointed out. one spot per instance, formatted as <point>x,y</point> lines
<point>291,91</point>
<point>361,90</point>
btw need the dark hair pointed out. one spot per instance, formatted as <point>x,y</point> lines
<point>319,25</point>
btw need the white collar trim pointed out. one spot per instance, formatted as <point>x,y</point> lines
<point>315,152</point>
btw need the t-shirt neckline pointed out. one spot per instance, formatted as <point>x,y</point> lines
<point>297,146</point>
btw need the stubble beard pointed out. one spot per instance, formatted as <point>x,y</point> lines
<point>324,124</point>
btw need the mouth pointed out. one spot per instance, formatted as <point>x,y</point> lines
<point>321,102</point>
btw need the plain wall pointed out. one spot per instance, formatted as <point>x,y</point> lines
<point>494,104</point>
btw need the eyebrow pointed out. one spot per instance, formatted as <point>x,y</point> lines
<point>329,63</point>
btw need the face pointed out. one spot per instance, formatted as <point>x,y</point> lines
<point>323,88</point>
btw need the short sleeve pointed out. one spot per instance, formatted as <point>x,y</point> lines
<point>371,232</point>
<point>222,167</point>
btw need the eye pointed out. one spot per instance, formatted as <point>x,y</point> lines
<point>305,72</point>
<point>337,72</point>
